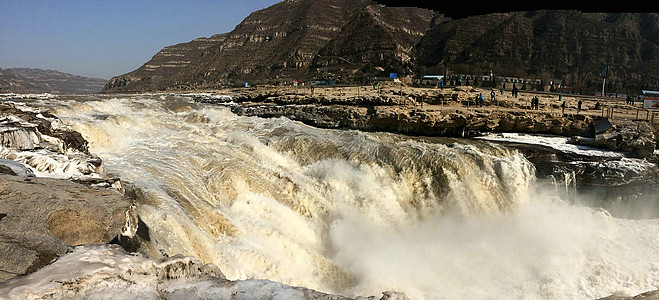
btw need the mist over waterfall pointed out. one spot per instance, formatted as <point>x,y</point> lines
<point>357,213</point>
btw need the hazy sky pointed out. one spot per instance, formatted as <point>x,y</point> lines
<point>106,38</point>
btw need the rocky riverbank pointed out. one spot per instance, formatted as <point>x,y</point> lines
<point>631,160</point>
<point>43,217</point>
<point>53,193</point>
<point>450,112</point>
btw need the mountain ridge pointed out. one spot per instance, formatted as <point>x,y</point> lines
<point>353,40</point>
<point>34,80</point>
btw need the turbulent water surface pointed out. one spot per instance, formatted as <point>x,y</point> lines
<point>357,213</point>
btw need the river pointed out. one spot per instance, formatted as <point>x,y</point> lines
<point>357,213</point>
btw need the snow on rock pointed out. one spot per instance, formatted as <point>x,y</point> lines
<point>559,143</point>
<point>109,272</point>
<point>45,145</point>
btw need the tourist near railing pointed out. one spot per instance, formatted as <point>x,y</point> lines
<point>608,107</point>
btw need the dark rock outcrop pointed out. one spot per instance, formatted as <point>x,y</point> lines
<point>650,295</point>
<point>636,138</point>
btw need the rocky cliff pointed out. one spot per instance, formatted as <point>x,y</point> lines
<point>355,40</point>
<point>26,80</point>
<point>290,40</point>
<point>70,201</point>
<point>567,45</point>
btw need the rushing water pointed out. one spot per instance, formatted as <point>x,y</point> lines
<point>357,213</point>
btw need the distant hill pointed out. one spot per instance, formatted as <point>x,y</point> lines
<point>355,40</point>
<point>26,80</point>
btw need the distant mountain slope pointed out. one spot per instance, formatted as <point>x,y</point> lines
<point>25,80</point>
<point>294,39</point>
<point>567,45</point>
<point>354,40</point>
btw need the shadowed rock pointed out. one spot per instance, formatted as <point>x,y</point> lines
<point>43,217</point>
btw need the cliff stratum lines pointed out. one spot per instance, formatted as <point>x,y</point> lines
<point>355,40</point>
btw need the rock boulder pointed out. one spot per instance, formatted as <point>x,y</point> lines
<point>43,217</point>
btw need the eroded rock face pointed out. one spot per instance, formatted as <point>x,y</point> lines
<point>288,40</point>
<point>25,129</point>
<point>637,138</point>
<point>649,295</point>
<point>41,142</point>
<point>43,217</point>
<point>398,112</point>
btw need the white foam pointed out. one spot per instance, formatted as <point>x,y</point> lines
<point>42,96</point>
<point>540,251</point>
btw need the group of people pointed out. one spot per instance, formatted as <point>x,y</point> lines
<point>479,100</point>
<point>630,100</point>
<point>515,91</point>
<point>598,105</point>
<point>535,102</point>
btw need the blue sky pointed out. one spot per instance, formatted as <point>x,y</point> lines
<point>107,38</point>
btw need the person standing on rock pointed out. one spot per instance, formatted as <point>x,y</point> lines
<point>514,91</point>
<point>480,99</point>
<point>492,95</point>
<point>536,101</point>
<point>579,106</point>
<point>563,107</point>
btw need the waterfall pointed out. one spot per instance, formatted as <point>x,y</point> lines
<point>357,213</point>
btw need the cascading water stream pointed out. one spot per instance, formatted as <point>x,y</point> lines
<point>358,213</point>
